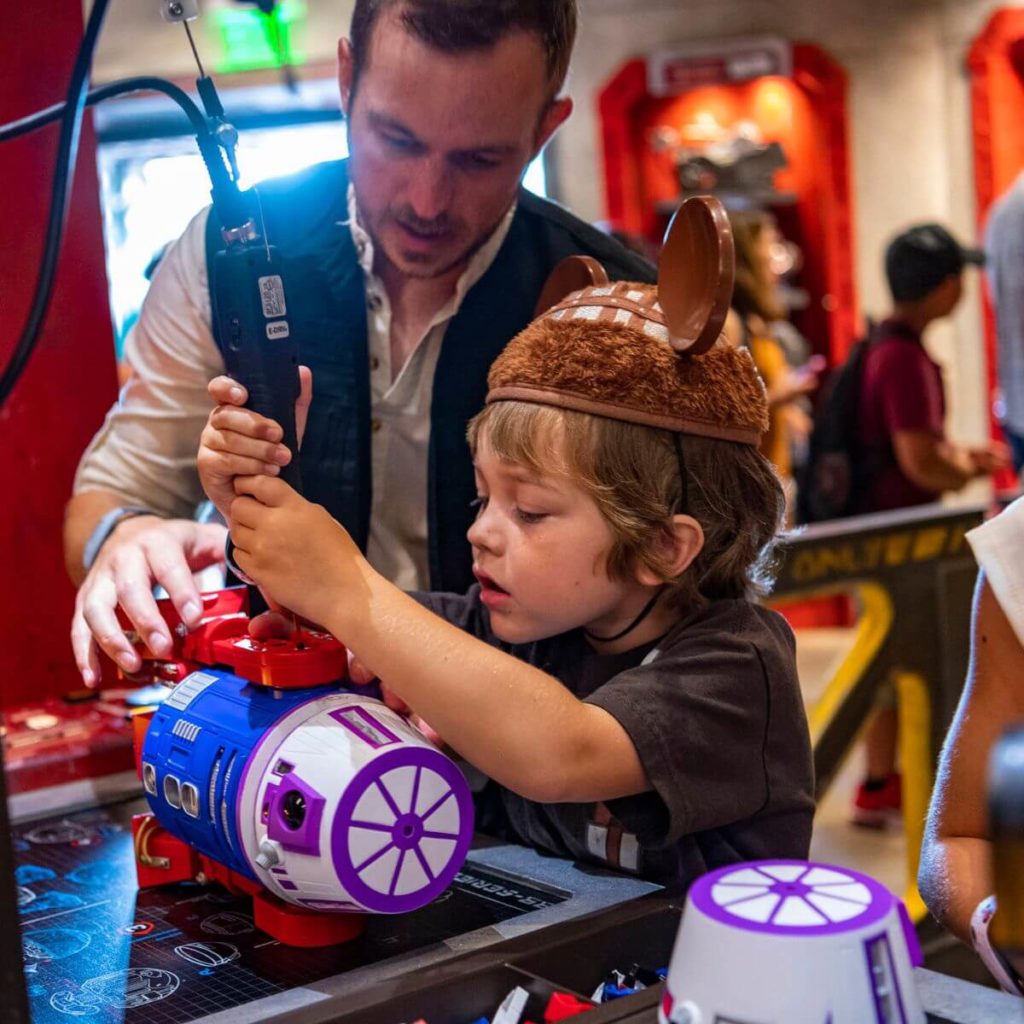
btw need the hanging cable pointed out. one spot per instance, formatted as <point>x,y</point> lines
<point>122,87</point>
<point>60,192</point>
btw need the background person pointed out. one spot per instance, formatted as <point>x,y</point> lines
<point>756,306</point>
<point>1004,250</point>
<point>955,876</point>
<point>903,436</point>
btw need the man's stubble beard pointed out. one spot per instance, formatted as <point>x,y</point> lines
<point>460,261</point>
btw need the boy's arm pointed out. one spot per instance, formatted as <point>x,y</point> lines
<point>515,723</point>
<point>955,872</point>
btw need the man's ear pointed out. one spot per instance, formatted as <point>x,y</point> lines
<point>554,117</point>
<point>678,547</point>
<point>346,72</point>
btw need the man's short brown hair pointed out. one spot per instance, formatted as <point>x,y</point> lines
<point>632,473</point>
<point>456,26</point>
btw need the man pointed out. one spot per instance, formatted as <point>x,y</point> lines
<point>410,267</point>
<point>1004,249</point>
<point>903,439</point>
<point>903,401</point>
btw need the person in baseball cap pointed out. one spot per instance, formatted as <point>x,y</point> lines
<point>923,258</point>
<point>904,451</point>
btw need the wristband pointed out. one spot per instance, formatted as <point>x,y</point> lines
<point>998,965</point>
<point>106,526</point>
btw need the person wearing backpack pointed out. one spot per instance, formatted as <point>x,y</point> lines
<point>901,431</point>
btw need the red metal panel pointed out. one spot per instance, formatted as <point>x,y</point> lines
<point>71,380</point>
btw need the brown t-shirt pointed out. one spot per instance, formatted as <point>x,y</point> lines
<point>715,713</point>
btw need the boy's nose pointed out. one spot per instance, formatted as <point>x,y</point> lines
<point>482,533</point>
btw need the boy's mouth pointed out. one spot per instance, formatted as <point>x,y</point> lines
<point>490,592</point>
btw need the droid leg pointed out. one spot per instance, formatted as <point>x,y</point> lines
<point>296,926</point>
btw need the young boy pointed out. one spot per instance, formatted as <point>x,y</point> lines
<point>610,673</point>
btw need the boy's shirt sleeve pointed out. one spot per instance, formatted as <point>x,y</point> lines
<point>719,726</point>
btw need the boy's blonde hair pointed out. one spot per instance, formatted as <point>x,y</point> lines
<point>632,473</point>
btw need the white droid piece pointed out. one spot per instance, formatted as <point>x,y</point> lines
<point>775,941</point>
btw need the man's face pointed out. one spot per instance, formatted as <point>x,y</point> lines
<point>439,141</point>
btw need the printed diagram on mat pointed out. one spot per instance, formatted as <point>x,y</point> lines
<point>97,949</point>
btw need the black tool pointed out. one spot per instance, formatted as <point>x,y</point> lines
<point>259,347</point>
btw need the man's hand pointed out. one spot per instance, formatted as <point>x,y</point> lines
<point>142,551</point>
<point>301,557</point>
<point>991,458</point>
<point>239,442</point>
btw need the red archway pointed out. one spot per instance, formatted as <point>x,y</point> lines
<point>805,109</point>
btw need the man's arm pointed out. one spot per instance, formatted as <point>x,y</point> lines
<point>144,458</point>
<point>932,463</point>
<point>935,464</point>
<point>955,872</point>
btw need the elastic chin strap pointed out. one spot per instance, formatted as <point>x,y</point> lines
<point>647,609</point>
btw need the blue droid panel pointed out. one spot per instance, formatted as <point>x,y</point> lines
<point>196,752</point>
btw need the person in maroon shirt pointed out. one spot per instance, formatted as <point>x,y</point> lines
<point>903,438</point>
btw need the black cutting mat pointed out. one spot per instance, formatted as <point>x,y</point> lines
<point>100,951</point>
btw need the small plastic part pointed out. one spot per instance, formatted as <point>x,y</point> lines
<point>179,10</point>
<point>269,855</point>
<point>563,1005</point>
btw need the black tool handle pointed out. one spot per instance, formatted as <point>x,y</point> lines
<point>260,350</point>
<point>259,347</point>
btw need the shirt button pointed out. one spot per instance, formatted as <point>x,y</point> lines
<point>375,425</point>
<point>373,301</point>
<point>374,363</point>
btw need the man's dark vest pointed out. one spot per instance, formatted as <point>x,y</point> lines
<point>306,218</point>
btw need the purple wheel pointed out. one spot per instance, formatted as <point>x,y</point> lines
<point>796,898</point>
<point>402,830</point>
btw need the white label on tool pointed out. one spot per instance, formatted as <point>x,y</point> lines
<point>188,689</point>
<point>278,329</point>
<point>272,296</point>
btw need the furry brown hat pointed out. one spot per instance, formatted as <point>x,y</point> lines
<point>640,353</point>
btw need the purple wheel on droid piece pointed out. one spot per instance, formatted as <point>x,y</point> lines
<point>402,830</point>
<point>791,898</point>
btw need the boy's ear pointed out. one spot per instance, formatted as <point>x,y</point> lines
<point>678,546</point>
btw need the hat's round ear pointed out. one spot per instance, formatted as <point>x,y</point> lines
<point>572,274</point>
<point>696,274</point>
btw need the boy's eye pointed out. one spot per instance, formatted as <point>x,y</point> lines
<point>478,504</point>
<point>529,517</point>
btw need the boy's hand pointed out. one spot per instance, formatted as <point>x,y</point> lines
<point>239,442</point>
<point>360,675</point>
<point>294,550</point>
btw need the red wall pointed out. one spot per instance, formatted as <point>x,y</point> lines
<point>71,379</point>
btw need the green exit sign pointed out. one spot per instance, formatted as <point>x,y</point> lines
<point>249,40</point>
